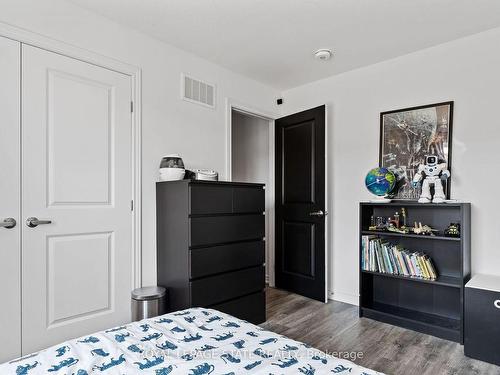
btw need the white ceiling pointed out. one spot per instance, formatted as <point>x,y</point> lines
<point>272,40</point>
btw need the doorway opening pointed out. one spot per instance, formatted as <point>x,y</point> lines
<point>288,155</point>
<point>251,159</point>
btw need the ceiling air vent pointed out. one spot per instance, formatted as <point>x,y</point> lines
<point>196,91</point>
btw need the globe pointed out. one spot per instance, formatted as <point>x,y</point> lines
<point>380,181</point>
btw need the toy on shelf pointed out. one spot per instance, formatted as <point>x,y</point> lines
<point>433,172</point>
<point>453,230</point>
<point>377,223</point>
<point>424,230</point>
<point>390,224</point>
<point>396,220</point>
<point>402,230</point>
<point>403,215</point>
<point>380,182</point>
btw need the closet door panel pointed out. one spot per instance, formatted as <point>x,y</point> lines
<point>10,253</point>
<point>77,174</point>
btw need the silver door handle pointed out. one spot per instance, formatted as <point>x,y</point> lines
<point>33,222</point>
<point>8,223</point>
<point>317,213</point>
<point>497,303</point>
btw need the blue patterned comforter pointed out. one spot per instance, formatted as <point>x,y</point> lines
<point>191,342</point>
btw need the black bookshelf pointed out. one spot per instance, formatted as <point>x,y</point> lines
<point>435,307</point>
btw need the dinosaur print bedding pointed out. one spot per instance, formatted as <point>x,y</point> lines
<point>190,342</point>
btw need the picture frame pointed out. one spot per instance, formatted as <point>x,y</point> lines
<point>407,135</point>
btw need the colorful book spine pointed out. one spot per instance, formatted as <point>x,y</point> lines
<point>384,257</point>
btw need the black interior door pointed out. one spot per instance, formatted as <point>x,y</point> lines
<point>300,203</point>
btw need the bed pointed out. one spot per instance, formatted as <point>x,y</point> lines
<point>195,341</point>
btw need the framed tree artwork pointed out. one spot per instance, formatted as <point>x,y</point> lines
<point>408,135</point>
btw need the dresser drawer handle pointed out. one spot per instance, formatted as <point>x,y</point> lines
<point>497,303</point>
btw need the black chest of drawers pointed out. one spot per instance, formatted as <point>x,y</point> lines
<point>210,246</point>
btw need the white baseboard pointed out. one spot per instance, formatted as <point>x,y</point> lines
<point>344,297</point>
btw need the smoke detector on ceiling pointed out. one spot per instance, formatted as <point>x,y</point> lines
<point>323,54</point>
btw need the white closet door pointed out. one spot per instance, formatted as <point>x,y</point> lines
<point>10,191</point>
<point>77,269</point>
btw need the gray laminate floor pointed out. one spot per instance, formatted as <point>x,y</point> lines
<point>336,327</point>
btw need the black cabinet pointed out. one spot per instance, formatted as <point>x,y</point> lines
<point>210,246</point>
<point>435,307</point>
<point>482,318</point>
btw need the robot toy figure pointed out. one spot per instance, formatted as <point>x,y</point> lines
<point>433,172</point>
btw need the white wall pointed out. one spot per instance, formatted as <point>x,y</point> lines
<point>466,71</point>
<point>250,159</point>
<point>168,124</point>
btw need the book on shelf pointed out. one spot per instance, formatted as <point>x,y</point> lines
<point>381,256</point>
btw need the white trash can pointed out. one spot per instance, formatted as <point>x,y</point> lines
<point>148,302</point>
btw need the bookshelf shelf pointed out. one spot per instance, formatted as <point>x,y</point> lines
<point>445,327</point>
<point>450,281</point>
<point>405,203</point>
<point>434,307</point>
<point>420,237</point>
